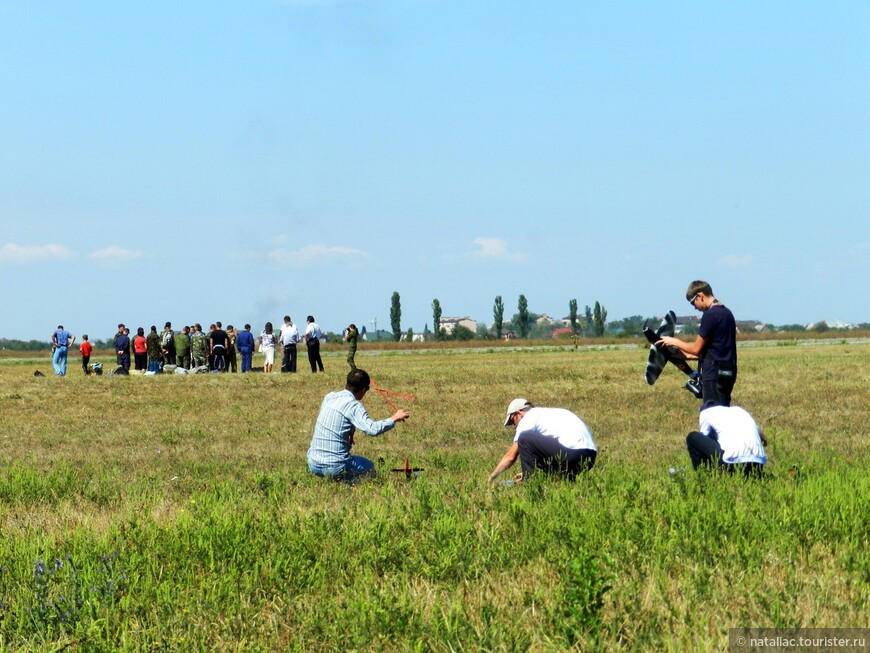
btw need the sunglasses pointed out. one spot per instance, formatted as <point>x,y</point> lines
<point>692,301</point>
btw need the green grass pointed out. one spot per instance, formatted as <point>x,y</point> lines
<point>177,513</point>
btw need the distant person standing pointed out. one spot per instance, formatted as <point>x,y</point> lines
<point>232,360</point>
<point>313,336</point>
<point>198,347</point>
<point>267,346</point>
<point>715,346</point>
<point>115,341</point>
<point>289,337</point>
<point>86,348</point>
<point>122,349</point>
<point>167,344</point>
<point>218,348</point>
<point>62,341</point>
<point>182,348</point>
<point>351,335</point>
<point>140,350</point>
<point>155,351</point>
<point>245,345</point>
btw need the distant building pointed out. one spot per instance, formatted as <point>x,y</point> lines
<point>448,324</point>
<point>543,318</point>
<point>563,331</point>
<point>831,324</point>
<point>683,320</point>
<point>749,326</point>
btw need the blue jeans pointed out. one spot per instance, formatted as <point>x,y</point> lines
<point>355,467</point>
<point>59,360</point>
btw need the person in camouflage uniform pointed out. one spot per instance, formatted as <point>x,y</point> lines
<point>232,360</point>
<point>167,344</point>
<point>198,347</point>
<point>182,348</point>
<point>155,351</point>
<point>351,335</point>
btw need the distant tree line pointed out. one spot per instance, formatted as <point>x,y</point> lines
<point>593,323</point>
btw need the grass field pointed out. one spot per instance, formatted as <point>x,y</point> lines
<point>177,513</point>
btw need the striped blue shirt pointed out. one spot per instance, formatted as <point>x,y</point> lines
<point>340,415</point>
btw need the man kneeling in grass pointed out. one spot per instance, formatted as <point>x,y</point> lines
<point>727,438</point>
<point>553,440</point>
<point>341,414</point>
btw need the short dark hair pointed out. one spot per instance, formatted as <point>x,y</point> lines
<point>357,380</point>
<point>310,318</point>
<point>698,286</point>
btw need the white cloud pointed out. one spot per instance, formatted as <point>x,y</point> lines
<point>114,253</point>
<point>314,254</point>
<point>12,253</point>
<point>735,262</point>
<point>495,248</point>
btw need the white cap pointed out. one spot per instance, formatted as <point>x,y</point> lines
<point>516,405</point>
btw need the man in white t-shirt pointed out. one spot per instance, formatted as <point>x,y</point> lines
<point>727,437</point>
<point>553,440</point>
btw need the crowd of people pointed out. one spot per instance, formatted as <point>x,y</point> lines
<point>192,349</point>
<point>217,350</point>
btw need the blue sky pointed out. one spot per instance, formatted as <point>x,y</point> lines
<point>202,161</point>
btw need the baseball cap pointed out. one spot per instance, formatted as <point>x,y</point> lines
<point>517,404</point>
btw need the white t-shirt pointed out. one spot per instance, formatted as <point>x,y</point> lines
<point>558,423</point>
<point>736,432</point>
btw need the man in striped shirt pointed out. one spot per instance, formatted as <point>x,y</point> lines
<point>341,414</point>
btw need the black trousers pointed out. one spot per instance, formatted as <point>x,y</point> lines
<point>288,361</point>
<point>704,451</point>
<point>219,358</point>
<point>314,355</point>
<point>547,455</point>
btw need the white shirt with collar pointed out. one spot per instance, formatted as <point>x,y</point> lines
<point>289,334</point>
<point>313,332</point>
